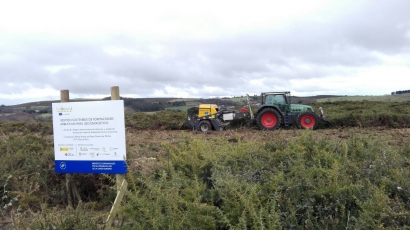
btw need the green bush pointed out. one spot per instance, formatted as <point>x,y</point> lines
<point>28,180</point>
<point>303,182</point>
<point>365,114</point>
<point>43,127</point>
<point>65,219</point>
<point>164,120</point>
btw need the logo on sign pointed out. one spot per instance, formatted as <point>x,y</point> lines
<point>63,165</point>
<point>64,109</point>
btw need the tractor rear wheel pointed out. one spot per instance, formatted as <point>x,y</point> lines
<point>204,126</point>
<point>268,119</point>
<point>307,120</point>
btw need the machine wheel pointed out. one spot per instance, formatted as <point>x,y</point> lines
<point>307,120</point>
<point>204,126</point>
<point>268,119</point>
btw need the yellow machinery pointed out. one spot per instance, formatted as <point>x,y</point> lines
<point>207,110</point>
<point>210,117</point>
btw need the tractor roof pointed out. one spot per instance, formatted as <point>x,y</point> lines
<point>285,92</point>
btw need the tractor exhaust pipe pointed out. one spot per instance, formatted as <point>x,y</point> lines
<point>323,116</point>
<point>249,106</point>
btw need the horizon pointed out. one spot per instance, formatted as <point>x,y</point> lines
<point>215,97</point>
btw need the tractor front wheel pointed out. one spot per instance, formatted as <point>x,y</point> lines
<point>307,120</point>
<point>268,119</point>
<point>204,126</point>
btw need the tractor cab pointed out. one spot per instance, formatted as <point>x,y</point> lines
<point>278,99</point>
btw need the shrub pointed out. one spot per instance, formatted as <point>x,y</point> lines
<point>303,182</point>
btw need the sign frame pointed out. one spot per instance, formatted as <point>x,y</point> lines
<point>89,137</point>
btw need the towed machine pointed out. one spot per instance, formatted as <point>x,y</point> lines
<point>275,110</point>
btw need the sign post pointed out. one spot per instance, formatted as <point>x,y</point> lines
<point>72,191</point>
<point>89,137</point>
<point>115,95</point>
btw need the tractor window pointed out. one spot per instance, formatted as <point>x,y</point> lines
<point>275,99</point>
<point>269,100</point>
<point>280,99</point>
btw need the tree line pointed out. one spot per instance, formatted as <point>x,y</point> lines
<point>141,105</point>
<point>400,92</point>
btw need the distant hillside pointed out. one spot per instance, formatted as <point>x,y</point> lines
<point>386,98</point>
<point>310,99</point>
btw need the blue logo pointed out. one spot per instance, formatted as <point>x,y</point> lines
<point>63,165</point>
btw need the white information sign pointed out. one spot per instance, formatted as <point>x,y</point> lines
<point>89,137</point>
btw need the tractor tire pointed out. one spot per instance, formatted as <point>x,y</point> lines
<point>204,126</point>
<point>307,120</point>
<point>268,119</point>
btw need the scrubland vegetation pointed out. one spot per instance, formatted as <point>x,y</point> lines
<point>351,175</point>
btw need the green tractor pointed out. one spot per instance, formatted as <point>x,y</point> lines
<point>276,110</point>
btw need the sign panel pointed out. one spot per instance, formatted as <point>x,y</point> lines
<point>89,137</point>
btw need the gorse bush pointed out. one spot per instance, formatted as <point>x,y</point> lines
<point>164,120</point>
<point>359,183</point>
<point>28,181</point>
<point>66,219</point>
<point>44,127</point>
<point>196,192</point>
<point>26,169</point>
<point>367,113</point>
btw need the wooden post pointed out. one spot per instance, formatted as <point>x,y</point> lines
<point>115,95</point>
<point>72,191</point>
<point>65,97</point>
<point>120,178</point>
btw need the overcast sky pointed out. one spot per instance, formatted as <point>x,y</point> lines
<point>189,48</point>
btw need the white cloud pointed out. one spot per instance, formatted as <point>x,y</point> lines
<point>56,68</point>
<point>34,94</point>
